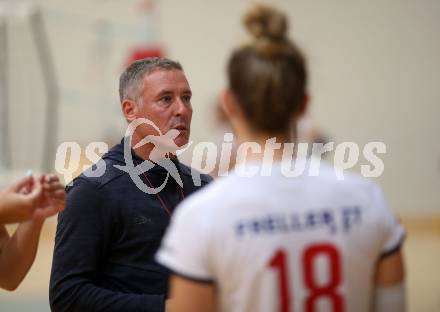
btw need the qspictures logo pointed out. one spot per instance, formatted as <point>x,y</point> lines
<point>207,156</point>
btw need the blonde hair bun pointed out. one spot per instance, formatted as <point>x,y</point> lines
<point>265,22</point>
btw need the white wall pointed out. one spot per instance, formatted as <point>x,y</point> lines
<point>374,70</point>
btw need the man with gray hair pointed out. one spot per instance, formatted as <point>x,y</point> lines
<point>112,226</point>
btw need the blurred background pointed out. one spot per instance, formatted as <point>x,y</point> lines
<point>374,76</point>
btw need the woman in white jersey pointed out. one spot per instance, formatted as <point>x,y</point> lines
<point>273,242</point>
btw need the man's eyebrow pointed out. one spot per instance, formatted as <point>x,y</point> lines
<point>168,92</point>
<point>164,92</point>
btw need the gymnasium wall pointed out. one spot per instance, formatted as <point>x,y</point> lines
<point>374,73</point>
<point>374,68</point>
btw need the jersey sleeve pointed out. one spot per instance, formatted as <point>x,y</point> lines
<point>393,233</point>
<point>185,247</point>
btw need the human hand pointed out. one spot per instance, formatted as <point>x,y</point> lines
<point>18,202</point>
<point>53,199</point>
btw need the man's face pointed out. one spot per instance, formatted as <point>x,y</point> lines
<point>167,103</point>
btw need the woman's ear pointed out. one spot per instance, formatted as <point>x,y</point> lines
<point>130,110</point>
<point>229,103</point>
<point>303,106</point>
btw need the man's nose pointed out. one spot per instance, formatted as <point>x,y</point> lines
<point>182,108</point>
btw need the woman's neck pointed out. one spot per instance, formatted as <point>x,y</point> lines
<point>270,146</point>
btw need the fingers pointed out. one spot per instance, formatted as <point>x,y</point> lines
<point>32,197</point>
<point>58,194</point>
<point>49,178</point>
<point>37,188</point>
<point>53,188</point>
<point>50,209</point>
<point>18,186</point>
<point>51,181</point>
<point>36,191</point>
<point>54,198</point>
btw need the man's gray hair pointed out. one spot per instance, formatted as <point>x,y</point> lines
<point>131,80</point>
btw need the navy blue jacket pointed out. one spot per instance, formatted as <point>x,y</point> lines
<point>106,240</point>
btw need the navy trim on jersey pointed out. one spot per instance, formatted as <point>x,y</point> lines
<point>394,249</point>
<point>192,278</point>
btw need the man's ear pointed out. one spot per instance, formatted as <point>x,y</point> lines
<point>130,110</point>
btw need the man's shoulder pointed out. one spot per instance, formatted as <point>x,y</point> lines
<point>97,176</point>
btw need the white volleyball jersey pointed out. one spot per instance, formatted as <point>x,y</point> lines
<point>273,243</point>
